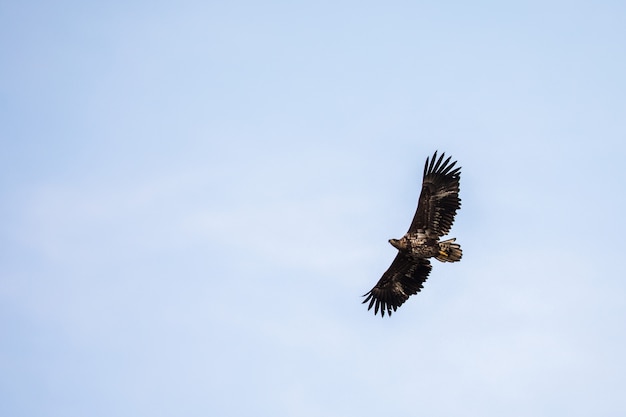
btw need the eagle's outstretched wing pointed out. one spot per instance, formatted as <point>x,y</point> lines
<point>404,278</point>
<point>439,199</point>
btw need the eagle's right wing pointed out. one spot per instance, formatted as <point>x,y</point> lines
<point>404,278</point>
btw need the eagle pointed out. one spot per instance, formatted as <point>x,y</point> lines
<point>437,205</point>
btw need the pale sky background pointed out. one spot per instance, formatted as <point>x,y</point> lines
<point>195,195</point>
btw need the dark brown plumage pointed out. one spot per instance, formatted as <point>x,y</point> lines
<point>437,205</point>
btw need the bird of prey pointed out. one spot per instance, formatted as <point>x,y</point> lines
<point>437,205</point>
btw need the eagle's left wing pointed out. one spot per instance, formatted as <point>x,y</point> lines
<point>439,199</point>
<point>404,278</point>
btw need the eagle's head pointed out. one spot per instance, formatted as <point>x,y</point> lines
<point>400,244</point>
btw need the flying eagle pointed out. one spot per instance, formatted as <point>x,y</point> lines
<point>437,205</point>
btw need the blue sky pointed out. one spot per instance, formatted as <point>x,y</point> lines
<point>196,194</point>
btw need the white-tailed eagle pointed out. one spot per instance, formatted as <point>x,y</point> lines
<point>437,205</point>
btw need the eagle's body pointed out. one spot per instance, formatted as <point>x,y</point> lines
<point>438,202</point>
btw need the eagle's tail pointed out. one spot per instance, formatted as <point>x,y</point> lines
<point>449,251</point>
